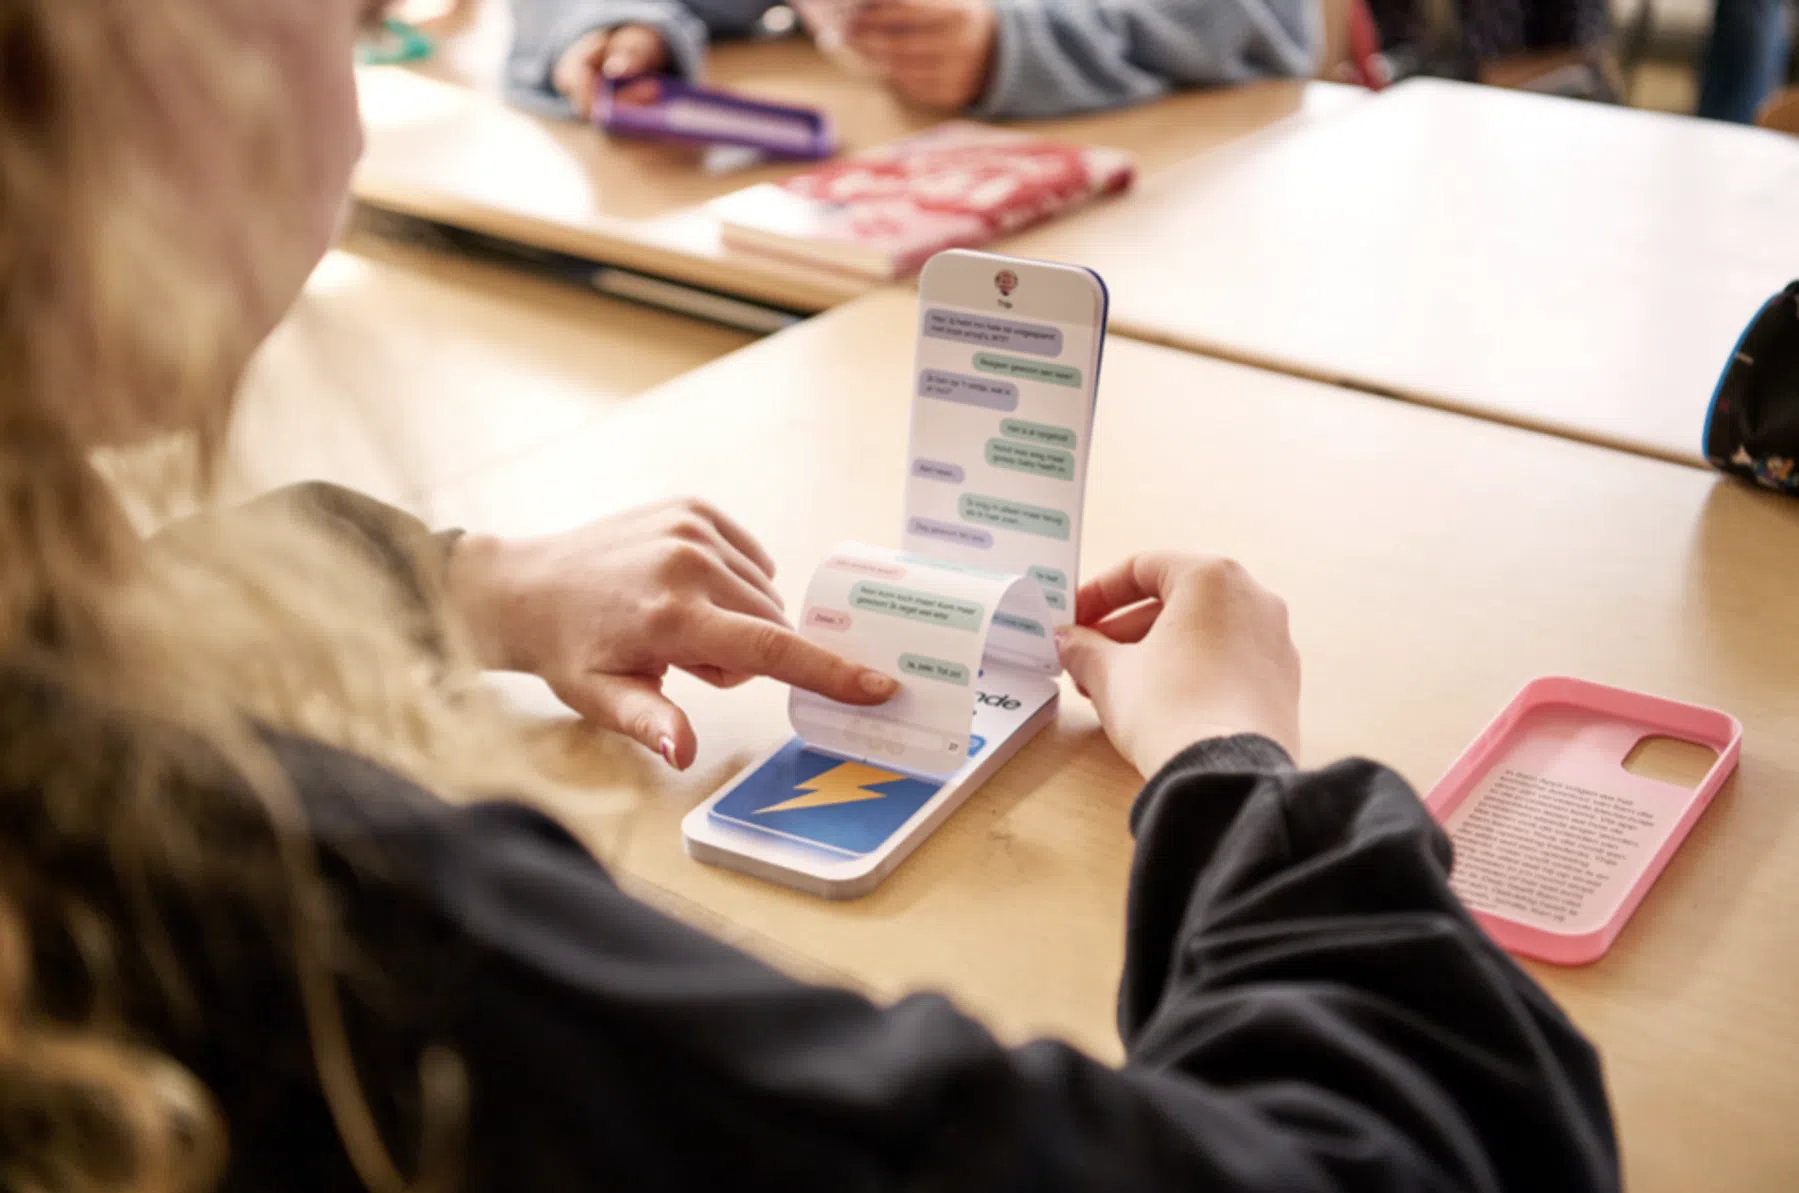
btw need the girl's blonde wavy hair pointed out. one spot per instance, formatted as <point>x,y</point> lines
<point>184,650</point>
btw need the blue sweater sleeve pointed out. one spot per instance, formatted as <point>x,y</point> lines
<point>543,30</point>
<point>1057,57</point>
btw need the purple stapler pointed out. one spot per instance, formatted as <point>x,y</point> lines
<point>664,108</point>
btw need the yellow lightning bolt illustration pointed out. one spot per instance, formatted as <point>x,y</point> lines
<point>845,783</point>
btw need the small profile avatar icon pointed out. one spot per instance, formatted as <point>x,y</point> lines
<point>1006,281</point>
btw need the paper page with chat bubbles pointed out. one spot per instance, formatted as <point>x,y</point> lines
<point>1002,416</point>
<point>963,615</point>
<point>931,626</point>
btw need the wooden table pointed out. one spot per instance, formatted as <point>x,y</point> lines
<point>1567,266</point>
<point>400,370</point>
<point>447,149</point>
<point>1433,564</point>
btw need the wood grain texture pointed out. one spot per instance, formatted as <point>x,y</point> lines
<point>1566,266</point>
<point>1433,564</point>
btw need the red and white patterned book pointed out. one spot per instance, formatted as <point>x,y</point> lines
<point>884,212</point>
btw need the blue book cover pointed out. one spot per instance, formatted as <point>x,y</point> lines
<point>847,809</point>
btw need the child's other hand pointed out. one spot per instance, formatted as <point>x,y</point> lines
<point>606,54</point>
<point>1175,648</point>
<point>935,53</point>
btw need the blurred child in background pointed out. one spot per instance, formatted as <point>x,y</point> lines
<point>993,58</point>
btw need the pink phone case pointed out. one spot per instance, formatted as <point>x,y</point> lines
<point>1556,843</point>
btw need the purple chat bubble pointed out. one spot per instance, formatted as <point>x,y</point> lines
<point>968,536</point>
<point>991,331</point>
<point>970,391</point>
<point>937,470</point>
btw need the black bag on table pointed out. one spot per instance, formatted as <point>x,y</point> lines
<point>1752,428</point>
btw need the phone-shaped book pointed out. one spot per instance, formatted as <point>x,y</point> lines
<point>664,108</point>
<point>963,612</point>
<point>1557,840</point>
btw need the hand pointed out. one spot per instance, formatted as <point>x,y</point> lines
<point>606,53</point>
<point>935,53</point>
<point>603,612</point>
<point>1175,648</point>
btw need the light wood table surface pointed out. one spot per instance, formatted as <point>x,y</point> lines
<point>446,148</point>
<point>1433,564</point>
<point>401,370</point>
<point>1567,266</point>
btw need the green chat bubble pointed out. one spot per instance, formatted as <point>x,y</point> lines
<point>1027,370</point>
<point>1049,577</point>
<point>938,669</point>
<point>872,597</point>
<point>1018,428</point>
<point>1056,600</point>
<point>1023,625</point>
<point>1014,515</point>
<point>1027,457</point>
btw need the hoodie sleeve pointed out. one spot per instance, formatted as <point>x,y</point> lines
<point>1058,57</point>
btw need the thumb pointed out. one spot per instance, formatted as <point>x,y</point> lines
<point>574,73</point>
<point>634,706</point>
<point>1087,654</point>
<point>620,61</point>
<point>634,49</point>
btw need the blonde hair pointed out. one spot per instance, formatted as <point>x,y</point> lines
<point>106,309</point>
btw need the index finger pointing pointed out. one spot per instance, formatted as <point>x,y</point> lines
<point>736,642</point>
